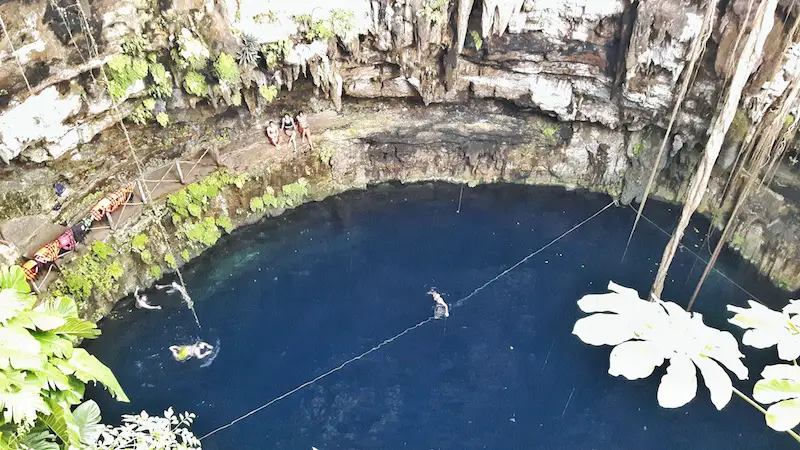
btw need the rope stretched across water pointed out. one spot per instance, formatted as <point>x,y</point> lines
<point>523,260</point>
<point>404,332</point>
<point>701,259</point>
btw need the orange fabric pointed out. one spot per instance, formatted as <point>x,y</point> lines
<point>31,269</point>
<point>48,253</point>
<point>111,202</point>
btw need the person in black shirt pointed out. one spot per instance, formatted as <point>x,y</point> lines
<point>287,125</point>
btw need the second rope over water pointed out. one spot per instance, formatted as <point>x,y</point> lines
<point>404,332</point>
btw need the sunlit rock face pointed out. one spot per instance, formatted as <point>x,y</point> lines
<point>600,61</point>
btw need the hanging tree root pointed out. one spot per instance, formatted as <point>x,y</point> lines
<point>751,53</point>
<point>697,49</point>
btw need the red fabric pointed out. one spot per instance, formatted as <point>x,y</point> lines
<point>272,135</point>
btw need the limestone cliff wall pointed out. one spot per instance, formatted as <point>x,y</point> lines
<point>599,76</point>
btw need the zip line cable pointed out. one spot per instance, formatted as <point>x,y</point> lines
<point>523,260</point>
<point>310,382</point>
<point>402,333</point>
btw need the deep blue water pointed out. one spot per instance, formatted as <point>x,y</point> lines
<point>289,298</point>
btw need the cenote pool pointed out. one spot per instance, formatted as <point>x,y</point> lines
<point>292,297</point>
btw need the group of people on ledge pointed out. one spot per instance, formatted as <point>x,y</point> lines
<point>291,127</point>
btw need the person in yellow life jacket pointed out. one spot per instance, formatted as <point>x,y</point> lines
<point>197,350</point>
<point>303,128</point>
<point>287,125</point>
<point>273,133</point>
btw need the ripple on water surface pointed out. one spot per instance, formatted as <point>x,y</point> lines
<point>290,298</point>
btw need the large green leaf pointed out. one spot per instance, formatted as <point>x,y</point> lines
<point>14,278</point>
<point>78,328</point>
<point>88,368</point>
<point>46,320</point>
<point>53,345</point>
<point>71,396</point>
<point>20,360</point>
<point>7,440</point>
<point>87,417</point>
<point>65,306</point>
<point>12,302</point>
<point>39,438</point>
<point>11,378</point>
<point>19,349</point>
<point>23,405</point>
<point>53,378</point>
<point>19,339</point>
<point>62,423</point>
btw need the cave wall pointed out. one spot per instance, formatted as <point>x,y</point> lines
<point>600,77</point>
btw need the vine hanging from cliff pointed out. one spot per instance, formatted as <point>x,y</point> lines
<point>694,55</point>
<point>751,53</point>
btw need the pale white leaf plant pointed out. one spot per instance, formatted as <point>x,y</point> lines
<point>145,432</point>
<point>646,334</point>
<point>779,385</point>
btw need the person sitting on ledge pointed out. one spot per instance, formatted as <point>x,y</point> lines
<point>197,350</point>
<point>273,133</point>
<point>441,309</point>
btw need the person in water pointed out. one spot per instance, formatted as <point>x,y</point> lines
<point>287,125</point>
<point>175,287</point>
<point>303,128</point>
<point>197,350</point>
<point>141,301</point>
<point>273,133</point>
<point>441,309</point>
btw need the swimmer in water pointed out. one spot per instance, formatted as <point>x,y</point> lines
<point>141,301</point>
<point>197,350</point>
<point>175,287</point>
<point>442,310</point>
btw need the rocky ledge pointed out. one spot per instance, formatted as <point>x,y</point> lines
<point>367,143</point>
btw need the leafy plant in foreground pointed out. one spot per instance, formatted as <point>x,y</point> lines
<point>645,334</point>
<point>780,383</point>
<point>767,328</point>
<point>42,373</point>
<point>143,431</point>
